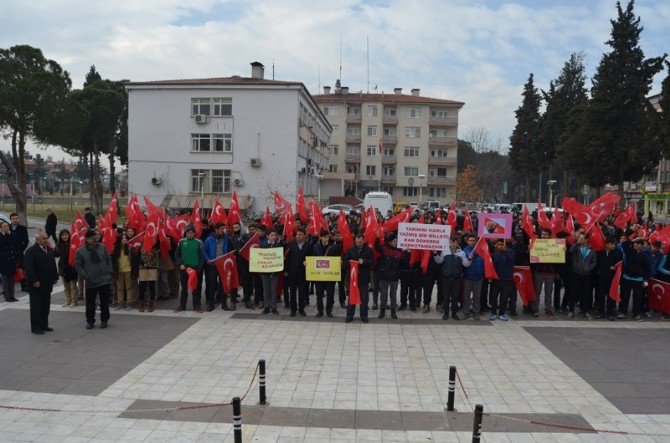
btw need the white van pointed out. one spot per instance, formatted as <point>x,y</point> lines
<point>518,207</point>
<point>382,201</point>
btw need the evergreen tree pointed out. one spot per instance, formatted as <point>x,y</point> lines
<point>525,155</point>
<point>617,119</point>
<point>92,76</point>
<point>663,117</point>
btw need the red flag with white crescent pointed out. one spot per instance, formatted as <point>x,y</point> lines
<point>482,249</point>
<point>76,240</point>
<point>164,245</point>
<point>136,241</point>
<point>467,223</point>
<point>218,213</point>
<point>343,227</point>
<point>658,293</point>
<point>267,219</point>
<point>192,282</point>
<point>196,219</point>
<point>226,265</point>
<point>403,217</point>
<point>451,217</point>
<point>253,242</point>
<point>281,204</point>
<point>523,280</point>
<point>354,290</point>
<point>151,231</point>
<point>615,285</point>
<point>234,215</point>
<point>112,213</point>
<point>301,206</point>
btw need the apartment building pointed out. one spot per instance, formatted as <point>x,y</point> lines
<point>404,144</point>
<point>657,187</point>
<point>204,138</point>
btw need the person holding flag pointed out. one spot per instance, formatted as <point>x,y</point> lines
<point>544,275</point>
<point>66,271</point>
<point>473,276</point>
<point>216,245</point>
<point>270,279</point>
<point>126,270</point>
<point>239,239</point>
<point>388,267</point>
<point>606,260</point>
<point>452,260</point>
<point>325,247</point>
<point>502,289</point>
<point>361,253</point>
<point>583,263</point>
<point>635,278</point>
<point>296,252</point>
<point>190,254</point>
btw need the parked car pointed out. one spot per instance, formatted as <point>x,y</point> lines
<point>335,209</point>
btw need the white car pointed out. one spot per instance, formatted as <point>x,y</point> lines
<point>335,209</point>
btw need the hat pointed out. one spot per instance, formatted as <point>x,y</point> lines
<point>90,233</point>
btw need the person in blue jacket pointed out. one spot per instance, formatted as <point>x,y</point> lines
<point>472,280</point>
<point>216,245</point>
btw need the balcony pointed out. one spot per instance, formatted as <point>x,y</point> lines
<point>388,179</point>
<point>390,119</point>
<point>392,139</point>
<point>443,121</point>
<point>442,161</point>
<point>442,140</point>
<point>353,158</point>
<point>388,159</point>
<point>354,118</point>
<point>369,183</point>
<point>441,180</point>
<point>353,138</point>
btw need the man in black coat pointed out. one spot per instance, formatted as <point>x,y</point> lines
<point>296,253</point>
<point>362,253</point>
<point>89,217</point>
<point>50,225</point>
<point>41,274</point>
<point>22,241</point>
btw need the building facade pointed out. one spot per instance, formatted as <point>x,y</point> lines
<point>404,144</point>
<point>204,138</point>
<point>657,187</point>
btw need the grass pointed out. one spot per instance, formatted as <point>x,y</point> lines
<point>64,211</point>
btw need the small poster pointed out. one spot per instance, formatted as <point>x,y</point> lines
<point>494,225</point>
<point>423,236</point>
<point>324,268</point>
<point>548,250</point>
<point>266,260</point>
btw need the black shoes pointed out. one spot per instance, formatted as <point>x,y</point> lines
<point>302,312</point>
<point>393,314</point>
<point>292,314</point>
<point>89,325</point>
<point>375,307</point>
<point>38,332</point>
<point>382,313</point>
<point>330,314</point>
<point>103,325</point>
<point>348,320</point>
<point>319,314</point>
<point>47,329</point>
<point>233,306</point>
<point>365,320</point>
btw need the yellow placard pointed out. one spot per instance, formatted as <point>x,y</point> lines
<point>324,268</point>
<point>550,250</point>
<point>266,260</point>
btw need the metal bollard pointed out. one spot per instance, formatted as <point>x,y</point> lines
<point>237,420</point>
<point>477,427</point>
<point>452,388</point>
<point>261,382</point>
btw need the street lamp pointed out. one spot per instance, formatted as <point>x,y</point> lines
<point>551,183</point>
<point>201,176</point>
<point>318,178</point>
<point>421,177</point>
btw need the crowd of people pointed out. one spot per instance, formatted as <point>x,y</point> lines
<point>132,277</point>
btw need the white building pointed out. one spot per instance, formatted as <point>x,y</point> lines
<point>206,137</point>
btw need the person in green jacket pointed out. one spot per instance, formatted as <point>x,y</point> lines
<point>190,254</point>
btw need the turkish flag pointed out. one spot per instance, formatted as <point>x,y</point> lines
<point>604,205</point>
<point>615,286</point>
<point>79,222</point>
<point>151,232</point>
<point>226,265</point>
<point>192,282</point>
<point>403,217</point>
<point>580,212</point>
<point>542,219</point>
<point>301,206</point>
<point>556,223</point>
<point>281,204</point>
<point>289,225</point>
<point>112,213</point>
<point>343,227</point>
<point>354,290</point>
<point>164,245</point>
<point>659,296</point>
<point>196,219</point>
<point>451,217</point>
<point>425,260</point>
<point>134,215</point>
<point>76,240</point>
<point>174,227</point>
<point>438,216</point>
<point>482,249</point>
<point>314,226</point>
<point>527,224</point>
<point>253,242</point>
<point>136,241</point>
<point>234,215</point>
<point>218,213</point>
<point>596,238</point>
<point>266,220</point>
<point>467,223</point>
<point>628,215</point>
<point>107,233</point>
<point>523,280</point>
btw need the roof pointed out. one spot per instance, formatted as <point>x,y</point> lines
<point>400,99</point>
<point>234,80</point>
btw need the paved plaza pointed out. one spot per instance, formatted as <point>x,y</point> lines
<point>327,380</point>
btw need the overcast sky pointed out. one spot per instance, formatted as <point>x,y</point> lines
<point>479,52</point>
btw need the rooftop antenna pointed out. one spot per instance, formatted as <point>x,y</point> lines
<point>340,57</point>
<point>367,43</point>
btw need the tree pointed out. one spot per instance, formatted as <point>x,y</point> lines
<point>663,117</point>
<point>524,153</point>
<point>466,186</point>
<point>39,171</point>
<point>565,93</point>
<point>92,76</point>
<point>617,120</point>
<point>33,90</point>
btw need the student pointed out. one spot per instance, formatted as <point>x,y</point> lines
<point>388,267</point>
<point>607,260</point>
<point>362,253</point>
<point>473,276</point>
<point>634,279</point>
<point>190,255</point>
<point>326,247</point>
<point>583,263</point>
<point>503,288</point>
<point>452,260</point>
<point>270,279</point>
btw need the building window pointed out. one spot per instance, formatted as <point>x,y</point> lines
<point>413,112</point>
<point>439,153</point>
<point>333,168</point>
<point>336,130</point>
<point>353,110</point>
<point>220,181</point>
<point>408,191</point>
<point>389,152</point>
<point>200,106</point>
<point>411,171</point>
<point>354,131</point>
<point>223,107</point>
<point>334,149</point>
<point>389,112</point>
<point>389,131</point>
<point>413,132</point>
<point>222,142</point>
<point>440,132</point>
<point>388,189</point>
<point>370,170</point>
<point>201,142</point>
<point>438,113</point>
<point>388,171</point>
<point>412,151</point>
<point>331,110</point>
<point>210,180</point>
<point>438,172</point>
<point>372,151</point>
<point>372,111</point>
<point>372,131</point>
<point>437,192</point>
<point>352,168</point>
<point>353,150</point>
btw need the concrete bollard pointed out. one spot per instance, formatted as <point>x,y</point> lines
<point>452,388</point>
<point>261,382</point>
<point>477,426</point>
<point>237,419</point>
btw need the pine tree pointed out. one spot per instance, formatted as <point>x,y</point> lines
<point>524,153</point>
<point>617,119</point>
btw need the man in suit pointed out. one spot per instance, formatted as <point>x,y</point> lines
<point>22,241</point>
<point>362,253</point>
<point>41,274</point>
<point>297,251</point>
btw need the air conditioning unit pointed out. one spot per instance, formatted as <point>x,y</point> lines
<point>238,182</point>
<point>156,181</point>
<point>255,162</point>
<point>201,119</point>
<point>303,170</point>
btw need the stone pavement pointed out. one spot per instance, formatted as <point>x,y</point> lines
<point>330,381</point>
